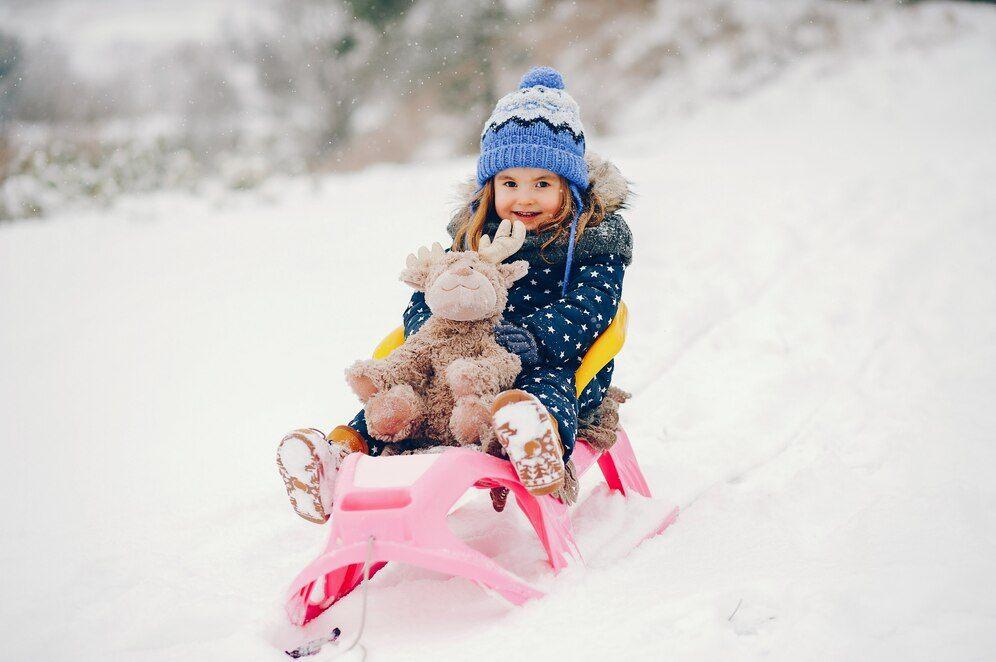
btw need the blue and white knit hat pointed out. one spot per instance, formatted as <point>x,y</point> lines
<point>538,126</point>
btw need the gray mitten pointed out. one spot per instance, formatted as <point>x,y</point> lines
<point>519,341</point>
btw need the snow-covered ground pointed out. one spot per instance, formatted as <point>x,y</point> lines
<point>812,353</point>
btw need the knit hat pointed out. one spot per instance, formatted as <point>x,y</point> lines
<point>538,126</point>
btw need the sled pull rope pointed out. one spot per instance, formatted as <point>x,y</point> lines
<point>363,608</point>
<point>313,647</point>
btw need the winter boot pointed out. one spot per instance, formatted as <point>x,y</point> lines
<point>309,461</point>
<point>531,439</point>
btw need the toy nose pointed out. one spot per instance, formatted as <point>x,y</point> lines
<point>462,270</point>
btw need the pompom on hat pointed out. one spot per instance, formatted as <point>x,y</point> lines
<point>538,126</point>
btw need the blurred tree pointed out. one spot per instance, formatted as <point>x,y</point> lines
<point>10,54</point>
<point>211,101</point>
<point>379,13</point>
<point>10,57</point>
<point>315,68</point>
<point>464,47</point>
<point>51,92</point>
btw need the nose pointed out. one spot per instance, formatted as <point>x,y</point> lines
<point>461,270</point>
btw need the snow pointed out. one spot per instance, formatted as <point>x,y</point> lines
<point>296,455</point>
<point>811,349</point>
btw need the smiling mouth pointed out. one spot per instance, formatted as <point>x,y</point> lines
<point>472,289</point>
<point>526,214</point>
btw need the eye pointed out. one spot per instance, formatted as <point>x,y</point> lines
<point>506,182</point>
<point>543,184</point>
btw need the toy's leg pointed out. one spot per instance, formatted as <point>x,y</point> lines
<point>394,415</point>
<point>309,462</point>
<point>470,420</point>
<point>474,385</point>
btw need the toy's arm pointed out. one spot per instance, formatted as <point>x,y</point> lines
<point>409,364</point>
<point>566,328</point>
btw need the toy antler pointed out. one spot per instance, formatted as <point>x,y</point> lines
<point>417,266</point>
<point>509,238</point>
<point>425,256</point>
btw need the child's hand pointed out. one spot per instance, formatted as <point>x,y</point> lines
<point>508,239</point>
<point>518,340</point>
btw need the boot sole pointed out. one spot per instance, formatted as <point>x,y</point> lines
<point>301,470</point>
<point>541,470</point>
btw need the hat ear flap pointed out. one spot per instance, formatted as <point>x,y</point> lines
<point>512,271</point>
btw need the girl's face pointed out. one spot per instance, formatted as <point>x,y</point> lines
<point>531,195</point>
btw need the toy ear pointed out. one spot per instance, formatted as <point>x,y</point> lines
<point>512,271</point>
<point>415,277</point>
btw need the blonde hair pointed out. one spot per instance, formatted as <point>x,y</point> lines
<point>472,218</point>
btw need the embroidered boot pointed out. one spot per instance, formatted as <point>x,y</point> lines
<point>531,439</point>
<point>308,462</point>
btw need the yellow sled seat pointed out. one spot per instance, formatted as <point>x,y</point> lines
<point>605,347</point>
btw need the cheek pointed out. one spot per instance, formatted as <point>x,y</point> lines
<point>551,201</point>
<point>503,201</point>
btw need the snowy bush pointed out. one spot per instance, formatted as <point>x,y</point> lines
<point>60,171</point>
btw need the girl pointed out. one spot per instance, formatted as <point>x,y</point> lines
<point>532,169</point>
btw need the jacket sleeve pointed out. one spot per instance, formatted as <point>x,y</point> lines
<point>415,314</point>
<point>566,328</point>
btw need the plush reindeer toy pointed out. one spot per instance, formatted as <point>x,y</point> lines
<point>440,384</point>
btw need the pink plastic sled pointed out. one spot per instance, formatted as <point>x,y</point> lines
<point>402,503</point>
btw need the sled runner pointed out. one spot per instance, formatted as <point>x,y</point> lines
<point>394,508</point>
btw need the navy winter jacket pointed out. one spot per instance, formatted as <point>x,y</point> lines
<point>564,326</point>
